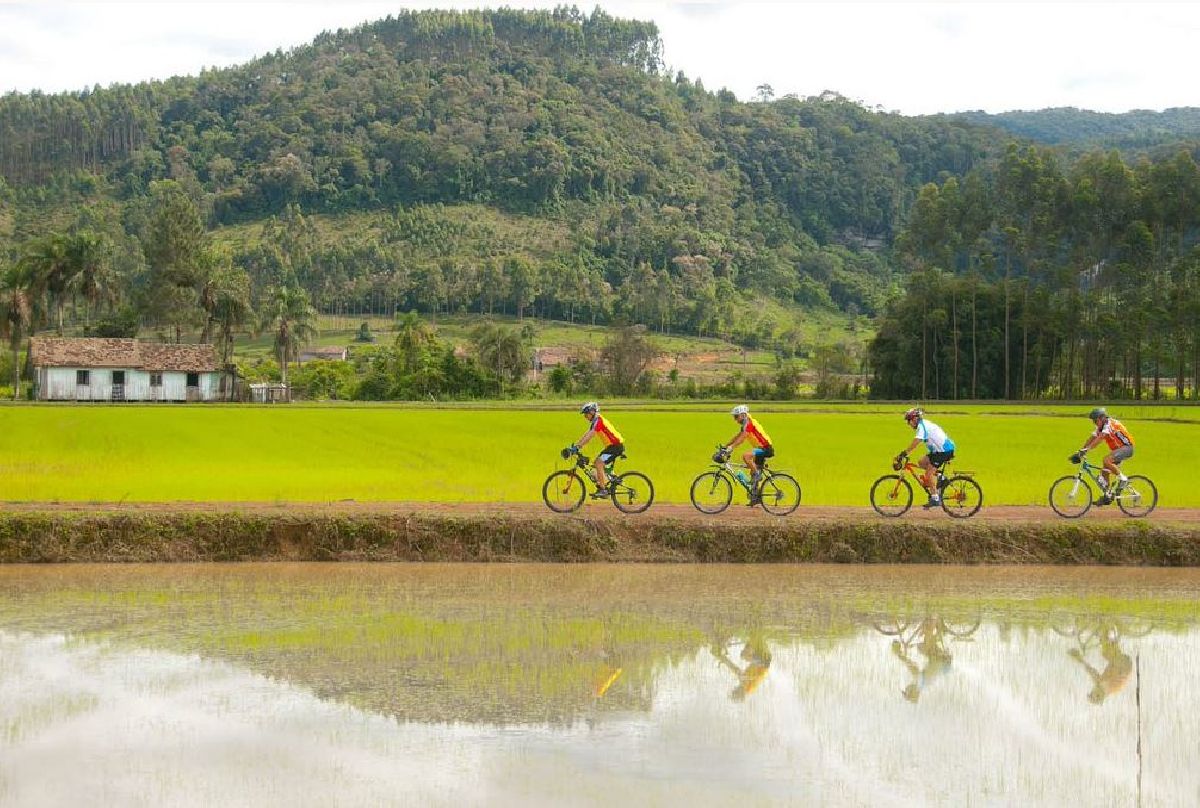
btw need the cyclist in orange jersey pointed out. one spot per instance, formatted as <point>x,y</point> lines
<point>1114,433</point>
<point>752,431</point>
<point>614,446</point>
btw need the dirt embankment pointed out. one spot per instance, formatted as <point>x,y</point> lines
<point>90,532</point>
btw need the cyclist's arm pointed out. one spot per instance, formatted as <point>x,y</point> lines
<point>1091,442</point>
<point>915,443</point>
<point>736,440</point>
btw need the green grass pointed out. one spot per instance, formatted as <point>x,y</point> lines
<point>498,453</point>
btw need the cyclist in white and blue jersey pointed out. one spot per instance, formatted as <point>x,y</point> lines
<point>939,450</point>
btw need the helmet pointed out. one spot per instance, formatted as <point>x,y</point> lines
<point>915,412</point>
<point>740,409</point>
<point>1098,412</point>
<point>591,406</point>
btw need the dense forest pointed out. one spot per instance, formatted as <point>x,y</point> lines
<point>546,164</point>
<point>1066,126</point>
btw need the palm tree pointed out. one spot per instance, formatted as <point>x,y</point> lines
<point>90,274</point>
<point>16,316</point>
<point>500,349</point>
<point>50,267</point>
<point>413,339</point>
<point>226,302</point>
<point>290,316</point>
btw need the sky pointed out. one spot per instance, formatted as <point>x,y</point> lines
<point>910,57</point>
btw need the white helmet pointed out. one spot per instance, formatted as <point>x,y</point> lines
<point>591,406</point>
<point>740,409</point>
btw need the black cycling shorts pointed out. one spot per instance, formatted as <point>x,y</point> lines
<point>612,452</point>
<point>939,459</point>
<point>761,455</point>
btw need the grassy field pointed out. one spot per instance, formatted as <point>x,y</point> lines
<point>144,453</point>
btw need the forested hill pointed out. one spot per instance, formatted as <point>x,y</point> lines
<point>1138,129</point>
<point>566,117</point>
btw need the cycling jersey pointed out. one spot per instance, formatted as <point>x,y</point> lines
<point>936,439</point>
<point>604,429</point>
<point>755,432</point>
<point>1114,434</point>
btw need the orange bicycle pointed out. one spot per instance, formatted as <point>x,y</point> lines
<point>892,494</point>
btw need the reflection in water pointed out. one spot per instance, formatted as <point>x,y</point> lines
<point>417,685</point>
<point>1104,635</point>
<point>756,661</point>
<point>928,635</point>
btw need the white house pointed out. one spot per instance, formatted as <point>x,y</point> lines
<point>95,369</point>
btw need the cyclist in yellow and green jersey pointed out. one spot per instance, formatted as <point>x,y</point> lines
<point>752,431</point>
<point>599,427</point>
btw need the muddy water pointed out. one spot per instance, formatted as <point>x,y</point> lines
<point>519,685</point>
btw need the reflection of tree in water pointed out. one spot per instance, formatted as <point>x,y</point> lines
<point>1103,635</point>
<point>926,638</point>
<point>755,656</point>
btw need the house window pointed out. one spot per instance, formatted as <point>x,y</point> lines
<point>118,377</point>
<point>83,378</point>
<point>193,380</point>
<point>156,380</point>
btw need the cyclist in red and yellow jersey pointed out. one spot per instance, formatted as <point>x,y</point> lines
<point>752,431</point>
<point>614,447</point>
<point>1112,432</point>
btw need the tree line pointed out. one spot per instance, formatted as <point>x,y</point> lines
<point>1035,279</point>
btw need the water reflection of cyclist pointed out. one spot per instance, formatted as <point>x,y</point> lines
<point>1117,668</point>
<point>757,658</point>
<point>937,659</point>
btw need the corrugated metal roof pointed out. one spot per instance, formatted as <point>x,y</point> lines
<point>97,352</point>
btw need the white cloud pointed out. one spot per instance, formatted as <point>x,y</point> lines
<point>914,57</point>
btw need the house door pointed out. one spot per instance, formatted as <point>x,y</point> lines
<point>118,385</point>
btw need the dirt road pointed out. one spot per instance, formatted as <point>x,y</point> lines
<point>591,511</point>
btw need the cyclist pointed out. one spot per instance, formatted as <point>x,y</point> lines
<point>1112,432</point>
<point>756,458</point>
<point>939,450</point>
<point>614,444</point>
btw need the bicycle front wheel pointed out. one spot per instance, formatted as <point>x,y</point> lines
<point>779,494</point>
<point>563,492</point>
<point>711,492</point>
<point>891,495</point>
<point>632,492</point>
<point>1139,496</point>
<point>1070,496</point>
<point>962,497</point>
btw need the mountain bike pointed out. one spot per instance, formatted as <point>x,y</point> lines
<point>565,489</point>
<point>1071,496</point>
<point>892,494</point>
<point>712,491</point>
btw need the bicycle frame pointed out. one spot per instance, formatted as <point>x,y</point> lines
<point>730,470</point>
<point>584,462</point>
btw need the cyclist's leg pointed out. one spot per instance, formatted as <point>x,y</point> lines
<point>759,458</point>
<point>1112,463</point>
<point>927,479</point>
<point>606,456</point>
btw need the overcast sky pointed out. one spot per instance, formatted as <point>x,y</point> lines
<point>912,57</point>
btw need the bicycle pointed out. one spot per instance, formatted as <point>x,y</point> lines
<point>892,495</point>
<point>1071,496</point>
<point>565,489</point>
<point>712,491</point>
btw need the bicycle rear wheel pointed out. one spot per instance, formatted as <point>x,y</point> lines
<point>563,491</point>
<point>891,495</point>
<point>961,497</point>
<point>711,492</point>
<point>631,492</point>
<point>1070,496</point>
<point>1138,497</point>
<point>779,494</point>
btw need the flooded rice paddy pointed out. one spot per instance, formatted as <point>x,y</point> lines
<point>599,685</point>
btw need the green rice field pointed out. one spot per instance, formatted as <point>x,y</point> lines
<point>503,453</point>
